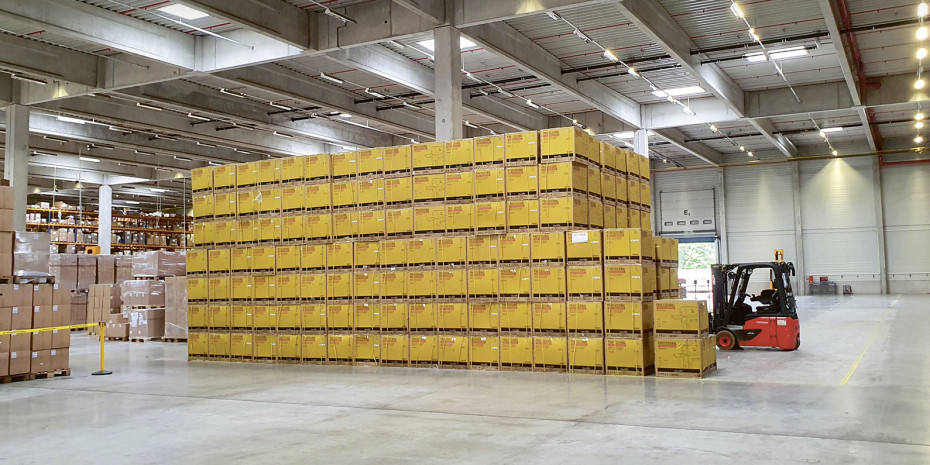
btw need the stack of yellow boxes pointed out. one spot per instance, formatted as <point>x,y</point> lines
<point>481,253</point>
<point>683,343</point>
<point>666,258</point>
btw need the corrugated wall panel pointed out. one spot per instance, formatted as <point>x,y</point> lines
<point>906,199</point>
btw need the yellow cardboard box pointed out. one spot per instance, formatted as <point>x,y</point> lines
<point>489,182</point>
<point>424,348</point>
<point>610,216</point>
<point>421,251</point>
<point>450,250</point>
<point>484,350</point>
<point>422,315</point>
<point>287,257</point>
<point>460,186</point>
<point>585,352</point>
<point>563,177</point>
<point>264,316</point>
<point>196,261</point>
<point>645,194</point>
<point>398,190</point>
<point>367,347</point>
<point>240,344</point>
<point>684,355</point>
<point>371,192</point>
<point>609,156</point>
<point>313,346</point>
<point>393,252</point>
<point>523,214</point>
<point>514,248</point>
<point>292,169</point>
<point>629,243</point>
<point>673,316</point>
<point>269,171</point>
<point>197,343</point>
<point>288,286</point>
<point>515,282</point>
<point>340,346</point>
<point>644,168</point>
<point>264,287</point>
<point>568,210</point>
<point>224,176</point>
<point>224,204</point>
<point>629,279</point>
<point>460,153</point>
<point>219,288</point>
<point>550,351</point>
<point>521,146</point>
<point>344,164</point>
<point>482,249</point>
<point>548,280</point>
<point>339,285</point>
<point>197,315</point>
<point>421,283</point>
<point>370,161</point>
<point>219,316</point>
<point>395,348</point>
<point>218,344</point>
<point>313,256</point>
<point>452,316</point>
<point>246,174</point>
<point>491,216</point>
<point>623,219</point>
<point>452,283</point>
<point>203,205</point>
<point>313,285</point>
<point>288,316</point>
<point>483,283</point>
<point>340,315</point>
<point>243,288</point>
<point>345,193</point>
<point>241,315</point>
<point>292,228</point>
<point>367,254</point>
<point>318,196</point>
<point>287,346</point>
<point>269,200</point>
<point>318,226</point>
<point>202,178</point>
<point>568,141</point>
<point>595,213</point>
<point>622,189</point>
<point>245,202</point>
<point>460,218</point>
<point>516,351</point>
<point>484,316</point>
<point>584,245</point>
<point>549,316</point>
<point>636,355</point>
<point>313,315</point>
<point>547,246</point>
<point>609,186</point>
<point>345,224</point>
<point>522,180</point>
<point>394,316</point>
<point>516,316</point>
<point>632,163</point>
<point>269,229</point>
<point>367,285</point>
<point>633,191</point>
<point>453,350</point>
<point>431,219</point>
<point>393,284</point>
<point>224,232</point>
<point>204,233</point>
<point>428,155</point>
<point>399,221</point>
<point>367,315</point>
<point>628,316</point>
<point>317,167</point>
<point>594,182</point>
<point>397,159</point>
<point>586,316</point>
<point>429,187</point>
<point>198,289</point>
<point>489,150</point>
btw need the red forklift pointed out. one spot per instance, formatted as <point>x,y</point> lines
<point>771,322</point>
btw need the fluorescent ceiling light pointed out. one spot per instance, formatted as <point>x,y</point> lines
<point>468,124</point>
<point>232,92</point>
<point>197,117</point>
<point>464,44</point>
<point>60,140</point>
<point>92,160</point>
<point>281,134</point>
<point>33,80</point>
<point>679,92</point>
<point>780,54</point>
<point>344,115</point>
<point>181,158</point>
<point>213,163</point>
<point>610,56</point>
<point>278,105</point>
<point>412,106</point>
<point>373,93</point>
<point>203,144</point>
<point>330,78</point>
<point>737,11</point>
<point>834,129</point>
<point>68,119</point>
<point>148,107</point>
<point>131,202</point>
<point>531,104</point>
<point>43,154</point>
<point>139,152</point>
<point>184,12</point>
<point>156,189</point>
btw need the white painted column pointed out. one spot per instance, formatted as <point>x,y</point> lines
<point>448,76</point>
<point>16,161</point>
<point>105,219</point>
<point>800,287</point>
<point>880,224</point>
<point>641,142</point>
<point>720,198</point>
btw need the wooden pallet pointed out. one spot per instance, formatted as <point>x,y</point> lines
<point>144,339</point>
<point>32,376</point>
<point>175,339</point>
<point>117,338</point>
<point>667,373</point>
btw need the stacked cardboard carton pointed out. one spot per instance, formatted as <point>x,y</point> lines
<point>26,306</point>
<point>144,300</point>
<point>684,345</point>
<point>176,308</point>
<point>489,252</point>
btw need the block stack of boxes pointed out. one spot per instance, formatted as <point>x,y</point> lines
<point>684,345</point>
<point>103,305</point>
<point>144,298</point>
<point>26,306</point>
<point>489,252</point>
<point>666,258</point>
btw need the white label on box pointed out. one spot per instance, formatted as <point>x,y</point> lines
<point>54,352</point>
<point>35,309</point>
<point>35,355</point>
<point>579,237</point>
<point>56,287</point>
<point>35,287</point>
<point>54,308</point>
<point>16,287</point>
<point>12,354</point>
<point>15,310</point>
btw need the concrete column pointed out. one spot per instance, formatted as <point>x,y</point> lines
<point>16,161</point>
<point>880,224</point>
<point>641,142</point>
<point>105,219</point>
<point>448,83</point>
<point>800,286</point>
<point>721,202</point>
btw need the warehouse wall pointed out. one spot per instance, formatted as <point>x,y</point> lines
<point>838,205</point>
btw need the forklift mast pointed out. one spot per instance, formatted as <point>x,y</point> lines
<point>729,288</point>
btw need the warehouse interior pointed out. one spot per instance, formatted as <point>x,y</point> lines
<point>756,131</point>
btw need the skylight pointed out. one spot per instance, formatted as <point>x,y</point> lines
<point>781,54</point>
<point>464,44</point>
<point>679,92</point>
<point>183,12</point>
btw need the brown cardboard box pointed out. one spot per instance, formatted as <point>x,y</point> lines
<point>20,342</point>
<point>6,242</point>
<point>21,318</point>
<point>61,294</point>
<point>5,344</point>
<point>6,219</point>
<point>143,292</point>
<point>6,318</point>
<point>61,315</point>
<point>42,340</point>
<point>61,338</point>
<point>118,326</point>
<point>147,323</point>
<point>31,253</point>
<point>59,359</point>
<point>6,197</point>
<point>6,264</point>
<point>42,316</point>
<point>41,361</point>
<point>20,362</point>
<point>106,269</point>
<point>159,263</point>
<point>123,268</point>
<point>176,307</point>
<point>86,276</point>
<point>43,294</point>
<point>16,295</point>
<point>4,363</point>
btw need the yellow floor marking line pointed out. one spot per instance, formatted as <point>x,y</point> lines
<point>855,364</point>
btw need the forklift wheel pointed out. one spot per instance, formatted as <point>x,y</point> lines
<point>797,344</point>
<point>726,340</point>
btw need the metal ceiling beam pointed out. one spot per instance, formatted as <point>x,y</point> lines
<point>780,141</point>
<point>291,84</point>
<point>395,67</point>
<point>272,18</point>
<point>678,138</point>
<point>505,41</point>
<point>101,26</point>
<point>431,10</point>
<point>44,60</point>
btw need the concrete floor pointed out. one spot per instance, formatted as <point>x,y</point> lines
<point>856,392</point>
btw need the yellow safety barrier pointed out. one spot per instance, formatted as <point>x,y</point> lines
<point>103,335</point>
